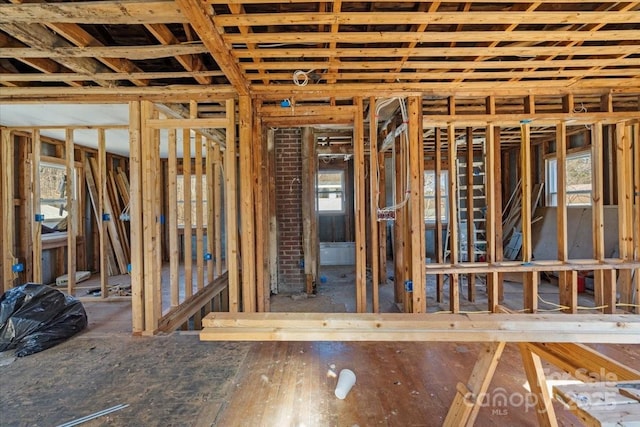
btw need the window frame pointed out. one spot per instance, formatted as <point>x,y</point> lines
<point>551,177</point>
<point>444,196</point>
<point>341,192</point>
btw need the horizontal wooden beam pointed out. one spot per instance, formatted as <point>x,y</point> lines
<point>293,64</point>
<point>577,328</point>
<point>302,111</point>
<point>553,2</point>
<point>128,52</point>
<point>394,52</point>
<point>93,12</point>
<point>520,267</point>
<point>440,18</point>
<point>215,123</point>
<point>537,119</point>
<point>411,75</point>
<point>76,77</point>
<point>431,36</point>
<point>180,314</point>
<point>462,89</point>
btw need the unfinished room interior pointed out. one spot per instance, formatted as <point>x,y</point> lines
<point>252,197</point>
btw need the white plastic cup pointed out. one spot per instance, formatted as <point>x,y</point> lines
<point>346,380</point>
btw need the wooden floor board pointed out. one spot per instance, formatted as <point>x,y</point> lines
<point>398,384</point>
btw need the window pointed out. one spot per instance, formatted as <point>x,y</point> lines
<point>430,196</point>
<point>53,195</point>
<point>330,192</point>
<point>578,180</point>
<point>181,201</point>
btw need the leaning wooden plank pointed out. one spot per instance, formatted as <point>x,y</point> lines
<point>111,226</point>
<point>94,197</point>
<point>180,314</point>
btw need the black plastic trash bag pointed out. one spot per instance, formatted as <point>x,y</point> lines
<point>35,317</point>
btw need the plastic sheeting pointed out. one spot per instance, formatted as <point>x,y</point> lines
<point>35,317</point>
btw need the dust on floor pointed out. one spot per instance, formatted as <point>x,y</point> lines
<point>172,380</point>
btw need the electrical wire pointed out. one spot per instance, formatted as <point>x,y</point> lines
<point>404,138</point>
<point>300,74</point>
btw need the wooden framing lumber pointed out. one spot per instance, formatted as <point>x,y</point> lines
<point>231,203</point>
<point>538,386</point>
<point>72,211</point>
<point>530,278</point>
<point>469,207</point>
<point>466,403</point>
<point>135,212</point>
<point>177,316</point>
<point>212,236</point>
<point>567,280</point>
<point>416,205</point>
<point>624,158</point>
<point>199,146</point>
<point>150,218</point>
<point>374,192</point>
<point>172,213</point>
<point>36,226</point>
<point>439,247</point>
<point>247,214</point>
<point>102,226</point>
<point>636,214</point>
<point>8,212</point>
<point>187,231</point>
<point>597,208</point>
<point>557,328</point>
<point>452,157</point>
<point>309,229</point>
<point>492,218</point>
<point>359,208</point>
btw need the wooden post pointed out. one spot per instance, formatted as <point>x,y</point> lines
<point>374,193</point>
<point>309,229</point>
<point>471,244</point>
<point>530,279</point>
<point>497,171</point>
<point>636,223</point>
<point>174,254</point>
<point>359,208</point>
<point>187,231</point>
<point>36,226</point>
<point>467,401</point>
<point>210,193</point>
<point>217,206</point>
<point>135,212</point>
<point>200,142</point>
<point>247,213</point>
<point>8,208</point>
<point>439,247</point>
<point>150,216</point>
<point>231,205</point>
<point>382,228</point>
<point>454,291</point>
<point>72,212</point>
<point>261,180</point>
<point>491,220</point>
<point>567,280</point>
<point>416,204</point>
<point>102,226</point>
<point>273,221</point>
<point>597,208</point>
<point>624,170</point>
<point>399,225</point>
